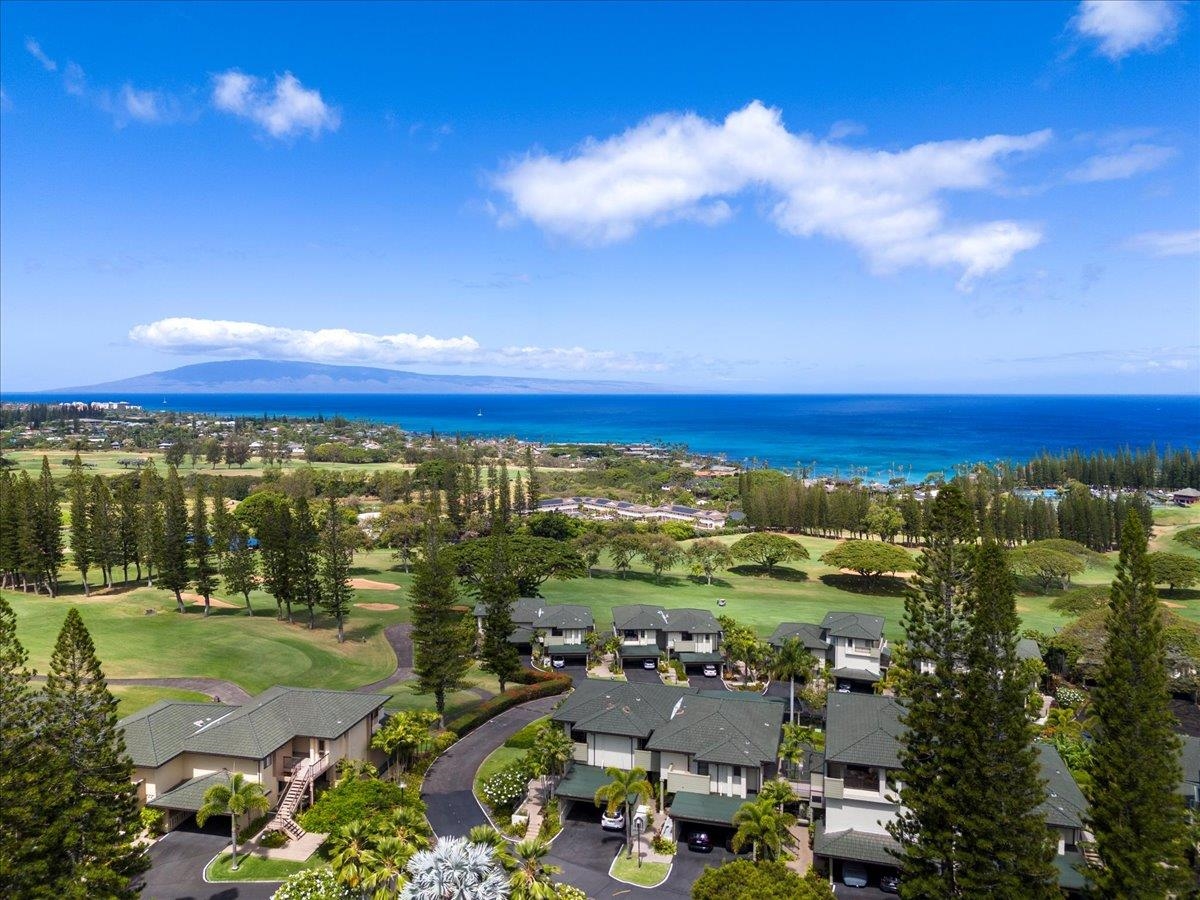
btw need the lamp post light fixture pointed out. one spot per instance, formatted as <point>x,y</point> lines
<point>637,827</point>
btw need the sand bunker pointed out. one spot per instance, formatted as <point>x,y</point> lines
<point>214,602</point>
<point>1171,604</point>
<point>377,607</point>
<point>366,584</point>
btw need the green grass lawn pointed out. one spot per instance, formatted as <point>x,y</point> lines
<point>497,760</point>
<point>132,697</point>
<point>647,875</point>
<point>254,868</point>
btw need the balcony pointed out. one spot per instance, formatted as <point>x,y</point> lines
<point>687,782</point>
<point>834,788</point>
<point>642,759</point>
<point>579,752</point>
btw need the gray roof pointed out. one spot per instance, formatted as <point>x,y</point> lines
<point>535,612</point>
<point>860,846</point>
<point>1027,648</point>
<point>863,729</point>
<point>728,731</point>
<point>645,617</point>
<point>189,795</point>
<point>808,632</point>
<point>251,731</point>
<point>1189,758</point>
<point>1064,806</point>
<point>627,708</point>
<point>849,673</point>
<point>853,625</point>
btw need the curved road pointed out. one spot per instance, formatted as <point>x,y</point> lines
<point>400,637</point>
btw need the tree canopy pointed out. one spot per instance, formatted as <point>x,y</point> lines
<point>768,550</point>
<point>531,561</point>
<point>747,880</point>
<point>870,559</point>
<point>1174,569</point>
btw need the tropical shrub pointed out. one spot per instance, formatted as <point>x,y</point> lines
<point>1069,697</point>
<point>273,840</point>
<point>526,737</point>
<point>663,845</point>
<point>1081,599</point>
<point>539,684</point>
<point>504,790</point>
<point>746,880</point>
<point>153,819</point>
<point>256,825</point>
<point>313,884</point>
<point>351,800</point>
<point>551,820</point>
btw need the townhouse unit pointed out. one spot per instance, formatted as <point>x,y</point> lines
<point>560,628</point>
<point>706,752</point>
<point>693,636</point>
<point>286,739</point>
<point>603,508</point>
<point>850,643</point>
<point>859,786</point>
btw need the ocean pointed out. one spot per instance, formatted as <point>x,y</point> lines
<point>877,436</point>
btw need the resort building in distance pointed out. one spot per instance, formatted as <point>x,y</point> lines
<point>601,508</point>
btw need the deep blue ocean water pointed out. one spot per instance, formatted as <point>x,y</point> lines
<point>881,434</point>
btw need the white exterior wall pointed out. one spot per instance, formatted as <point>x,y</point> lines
<point>721,781</point>
<point>700,642</point>
<point>846,657</point>
<point>610,750</point>
<point>162,779</point>
<point>668,759</point>
<point>208,763</point>
<point>859,814</point>
<point>645,638</point>
<point>568,636</point>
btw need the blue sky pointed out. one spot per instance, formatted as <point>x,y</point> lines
<point>852,197</point>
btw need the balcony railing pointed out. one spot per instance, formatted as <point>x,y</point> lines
<point>687,782</point>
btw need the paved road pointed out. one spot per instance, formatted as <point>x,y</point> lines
<point>400,637</point>
<point>177,861</point>
<point>447,791</point>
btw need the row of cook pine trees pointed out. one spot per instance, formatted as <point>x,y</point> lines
<point>969,823</point>
<point>147,524</point>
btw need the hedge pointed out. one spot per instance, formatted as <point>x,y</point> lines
<point>533,685</point>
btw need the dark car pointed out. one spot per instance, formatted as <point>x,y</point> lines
<point>700,842</point>
<point>889,884</point>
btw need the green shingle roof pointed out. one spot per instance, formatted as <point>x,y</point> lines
<point>726,730</point>
<point>1027,648</point>
<point>862,729</point>
<point>709,808</point>
<point>646,617</point>
<point>582,782</point>
<point>690,658</point>
<point>630,709</point>
<point>1064,806</point>
<point>251,731</point>
<point>189,795</point>
<point>860,846</point>
<point>853,625</point>
<point>850,673</point>
<point>807,632</point>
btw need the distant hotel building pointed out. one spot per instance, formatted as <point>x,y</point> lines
<point>601,508</point>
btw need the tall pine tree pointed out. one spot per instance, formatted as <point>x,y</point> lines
<point>336,555</point>
<point>81,550</point>
<point>203,571</point>
<point>102,528</point>
<point>94,804</point>
<point>1135,814</point>
<point>497,593</point>
<point>935,621</point>
<point>1005,847</point>
<point>150,520</point>
<point>442,640</point>
<point>306,559</point>
<point>173,553</point>
<point>48,542</point>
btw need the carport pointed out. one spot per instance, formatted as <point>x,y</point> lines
<point>858,680</point>
<point>183,801</point>
<point>639,652</point>
<point>694,663</point>
<point>572,652</point>
<point>704,812</point>
<point>875,851</point>
<point>581,783</point>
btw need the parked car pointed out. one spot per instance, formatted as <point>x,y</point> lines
<point>557,661</point>
<point>890,884</point>
<point>700,842</point>
<point>615,822</point>
<point>649,663</point>
<point>843,689</point>
<point>854,875</point>
<point>710,671</point>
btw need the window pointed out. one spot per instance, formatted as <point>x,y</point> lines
<point>701,768</point>
<point>321,746</point>
<point>685,636</point>
<point>737,774</point>
<point>862,778</point>
<point>556,632</point>
<point>632,634</point>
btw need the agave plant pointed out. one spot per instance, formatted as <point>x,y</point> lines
<point>455,869</point>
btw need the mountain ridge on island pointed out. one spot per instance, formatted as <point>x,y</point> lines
<point>263,376</point>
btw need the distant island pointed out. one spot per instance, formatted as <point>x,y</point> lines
<point>261,376</point>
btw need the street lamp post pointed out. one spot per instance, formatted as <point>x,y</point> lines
<point>637,827</point>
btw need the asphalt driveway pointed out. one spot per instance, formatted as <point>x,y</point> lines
<point>177,870</point>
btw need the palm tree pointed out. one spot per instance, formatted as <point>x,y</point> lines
<point>763,827</point>
<point>532,878</point>
<point>552,750</point>
<point>791,661</point>
<point>409,825</point>
<point>351,853</point>
<point>777,792</point>
<point>457,868</point>
<point>628,788</point>
<point>234,799</point>
<point>387,860</point>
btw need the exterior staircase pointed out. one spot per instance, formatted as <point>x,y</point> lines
<point>303,774</point>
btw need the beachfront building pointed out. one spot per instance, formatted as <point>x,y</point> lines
<point>706,752</point>
<point>605,509</point>
<point>560,629</point>
<point>851,644</point>
<point>859,786</point>
<point>693,636</point>
<point>286,739</point>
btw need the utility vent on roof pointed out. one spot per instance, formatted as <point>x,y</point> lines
<point>663,613</point>
<point>678,708</point>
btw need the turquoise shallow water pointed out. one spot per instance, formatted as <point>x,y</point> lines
<point>875,434</point>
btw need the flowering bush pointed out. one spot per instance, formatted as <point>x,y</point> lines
<point>313,884</point>
<point>504,790</point>
<point>1069,696</point>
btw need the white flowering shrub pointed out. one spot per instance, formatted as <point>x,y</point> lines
<point>506,789</point>
<point>1069,696</point>
<point>313,884</point>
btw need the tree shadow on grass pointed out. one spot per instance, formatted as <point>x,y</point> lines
<point>717,582</point>
<point>665,581</point>
<point>885,586</point>
<point>779,573</point>
<point>1179,595</point>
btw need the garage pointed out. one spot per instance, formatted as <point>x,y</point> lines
<point>694,663</point>
<point>182,801</point>
<point>709,813</point>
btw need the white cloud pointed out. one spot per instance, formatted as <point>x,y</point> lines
<point>145,106</point>
<point>340,345</point>
<point>284,110</point>
<point>36,51</point>
<point>681,166</point>
<point>1167,243</point>
<point>74,79</point>
<point>1123,26</point>
<point>1135,160</point>
<point>5,102</point>
<point>844,128</point>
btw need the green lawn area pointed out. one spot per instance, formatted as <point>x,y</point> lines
<point>647,875</point>
<point>132,697</point>
<point>497,760</point>
<point>253,868</point>
<point>105,462</point>
<point>404,694</point>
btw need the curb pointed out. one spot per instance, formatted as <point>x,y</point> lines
<point>221,852</point>
<point>644,887</point>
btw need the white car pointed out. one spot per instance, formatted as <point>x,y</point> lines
<point>615,822</point>
<point>843,689</point>
<point>558,662</point>
<point>710,671</point>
